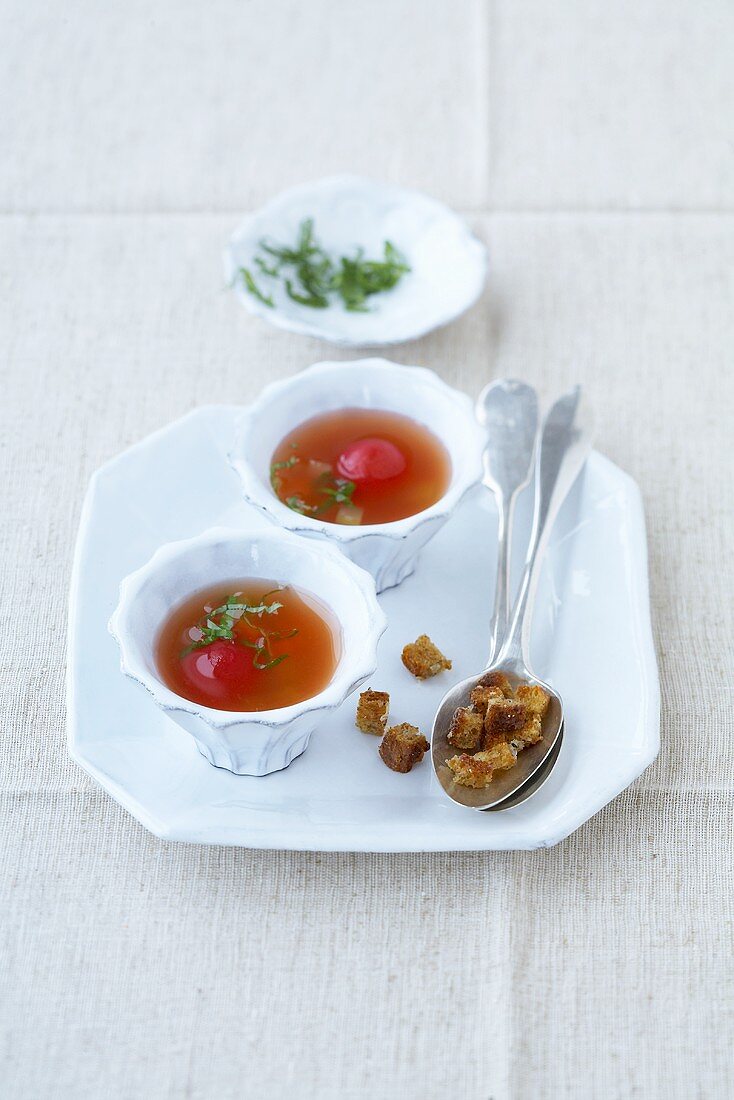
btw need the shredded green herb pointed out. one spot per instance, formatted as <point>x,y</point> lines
<point>253,288</point>
<point>219,625</point>
<point>313,278</point>
<point>276,481</point>
<point>341,493</point>
<point>337,490</point>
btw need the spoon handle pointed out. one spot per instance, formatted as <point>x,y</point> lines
<point>564,446</point>
<point>501,611</point>
<point>509,411</point>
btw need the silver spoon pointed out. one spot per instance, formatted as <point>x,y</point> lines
<point>564,445</point>
<point>509,411</point>
<point>528,789</point>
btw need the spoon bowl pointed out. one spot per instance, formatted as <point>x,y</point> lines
<point>504,783</point>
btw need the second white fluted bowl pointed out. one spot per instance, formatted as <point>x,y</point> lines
<point>387,550</point>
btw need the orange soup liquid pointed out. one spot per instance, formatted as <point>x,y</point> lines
<point>358,466</point>
<point>222,648</point>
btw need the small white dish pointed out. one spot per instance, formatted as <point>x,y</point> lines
<point>448,264</point>
<point>591,639</point>
<point>255,742</point>
<point>387,550</point>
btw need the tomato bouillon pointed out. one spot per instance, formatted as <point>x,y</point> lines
<point>248,645</point>
<point>359,466</point>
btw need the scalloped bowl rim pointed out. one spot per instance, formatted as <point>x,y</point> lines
<point>257,493</point>
<point>349,671</point>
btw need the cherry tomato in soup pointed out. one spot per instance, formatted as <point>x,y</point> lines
<point>371,459</point>
<point>215,670</point>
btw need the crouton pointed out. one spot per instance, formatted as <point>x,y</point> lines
<point>501,756</point>
<point>511,720</point>
<point>469,771</point>
<point>465,731</point>
<point>496,680</point>
<point>402,747</point>
<point>478,770</point>
<point>481,696</point>
<point>502,721</point>
<point>534,698</point>
<point>423,658</point>
<point>531,732</point>
<point>372,711</point>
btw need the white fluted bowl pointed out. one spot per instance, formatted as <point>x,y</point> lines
<point>387,550</point>
<point>255,742</point>
<point>448,264</point>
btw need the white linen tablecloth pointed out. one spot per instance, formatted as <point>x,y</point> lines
<point>591,146</point>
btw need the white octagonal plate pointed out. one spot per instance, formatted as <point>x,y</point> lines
<point>591,640</point>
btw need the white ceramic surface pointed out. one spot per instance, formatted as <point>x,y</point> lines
<point>253,743</point>
<point>387,550</point>
<point>591,639</point>
<point>448,264</point>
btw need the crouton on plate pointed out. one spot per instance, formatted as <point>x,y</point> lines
<point>372,711</point>
<point>402,747</point>
<point>423,659</point>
